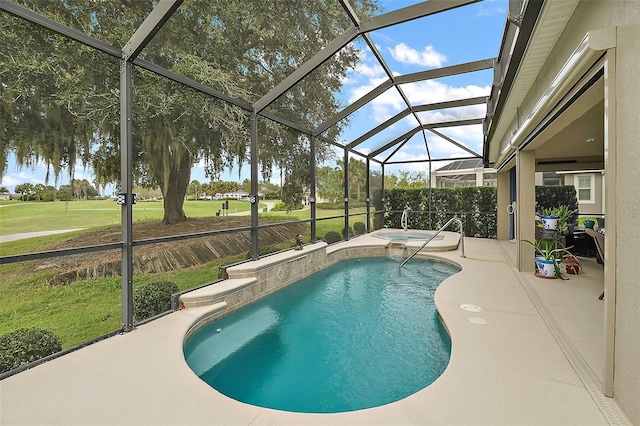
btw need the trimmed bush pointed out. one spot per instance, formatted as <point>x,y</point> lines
<point>332,237</point>
<point>26,345</point>
<point>344,232</point>
<point>359,228</point>
<point>153,299</point>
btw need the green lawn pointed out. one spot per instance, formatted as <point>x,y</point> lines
<point>20,217</point>
<point>88,309</point>
<point>84,310</point>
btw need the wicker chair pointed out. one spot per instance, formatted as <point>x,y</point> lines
<point>599,240</point>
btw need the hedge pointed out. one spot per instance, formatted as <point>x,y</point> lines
<point>475,206</point>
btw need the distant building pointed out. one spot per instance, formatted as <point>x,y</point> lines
<point>589,189</point>
<point>463,173</point>
<point>238,195</point>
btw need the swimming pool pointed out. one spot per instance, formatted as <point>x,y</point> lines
<point>354,335</point>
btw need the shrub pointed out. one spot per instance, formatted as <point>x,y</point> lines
<point>344,232</point>
<point>153,299</point>
<point>332,237</point>
<point>330,206</point>
<point>557,195</point>
<point>26,345</point>
<point>359,228</point>
<point>282,207</point>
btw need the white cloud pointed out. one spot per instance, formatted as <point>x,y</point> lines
<point>358,92</point>
<point>493,7</point>
<point>387,105</point>
<point>429,57</point>
<point>431,91</point>
<point>373,71</point>
<point>468,136</point>
<point>451,114</point>
<point>10,181</point>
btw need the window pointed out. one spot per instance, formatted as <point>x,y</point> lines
<point>585,188</point>
<point>552,178</point>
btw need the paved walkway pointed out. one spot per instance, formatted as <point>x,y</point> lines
<point>14,237</point>
<point>506,368</point>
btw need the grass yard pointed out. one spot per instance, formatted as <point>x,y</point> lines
<point>84,310</point>
<point>18,217</point>
<point>87,309</point>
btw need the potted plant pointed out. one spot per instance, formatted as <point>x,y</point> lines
<point>549,220</point>
<point>564,214</point>
<point>548,257</point>
<point>572,264</point>
<point>556,218</point>
<point>589,222</point>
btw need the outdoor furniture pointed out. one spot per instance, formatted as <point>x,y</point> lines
<point>599,240</point>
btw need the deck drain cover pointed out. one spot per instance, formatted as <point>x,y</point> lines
<point>470,308</point>
<point>476,320</point>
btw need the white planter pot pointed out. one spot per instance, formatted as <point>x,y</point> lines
<point>546,268</point>
<point>549,222</point>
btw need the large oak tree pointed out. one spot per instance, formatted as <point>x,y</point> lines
<point>59,100</point>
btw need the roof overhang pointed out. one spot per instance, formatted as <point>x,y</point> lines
<point>534,39</point>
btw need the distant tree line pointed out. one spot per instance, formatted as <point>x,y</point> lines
<point>330,181</point>
<point>77,190</point>
<point>197,190</point>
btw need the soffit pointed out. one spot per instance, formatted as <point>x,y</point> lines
<point>550,24</point>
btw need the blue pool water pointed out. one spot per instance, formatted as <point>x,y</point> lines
<point>352,336</point>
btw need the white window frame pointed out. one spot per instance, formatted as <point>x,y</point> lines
<point>592,188</point>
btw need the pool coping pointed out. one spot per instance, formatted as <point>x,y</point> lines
<point>507,370</point>
<point>253,280</point>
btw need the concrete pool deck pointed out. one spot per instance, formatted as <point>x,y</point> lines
<point>507,366</point>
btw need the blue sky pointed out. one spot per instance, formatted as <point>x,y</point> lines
<point>457,36</point>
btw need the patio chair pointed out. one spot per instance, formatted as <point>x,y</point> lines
<point>599,240</point>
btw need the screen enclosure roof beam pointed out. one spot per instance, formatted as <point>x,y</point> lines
<point>420,108</point>
<point>412,132</point>
<point>59,28</point>
<point>149,27</point>
<point>467,67</point>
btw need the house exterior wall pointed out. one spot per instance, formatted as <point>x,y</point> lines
<point>627,196</point>
<point>625,235</point>
<point>595,208</point>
